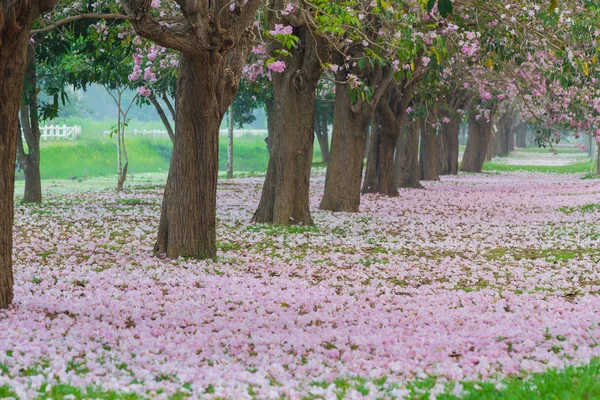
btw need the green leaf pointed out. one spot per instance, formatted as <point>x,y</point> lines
<point>445,7</point>
<point>430,4</point>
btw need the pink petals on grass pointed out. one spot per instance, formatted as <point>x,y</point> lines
<point>477,277</point>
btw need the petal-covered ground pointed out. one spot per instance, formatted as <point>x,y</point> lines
<point>477,277</point>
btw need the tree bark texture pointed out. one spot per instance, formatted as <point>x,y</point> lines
<point>214,47</point>
<point>505,134</point>
<point>477,142</point>
<point>16,20</point>
<point>351,118</point>
<point>390,115</point>
<point>285,194</point>
<point>450,110</point>
<point>449,145</point>
<point>344,174</point>
<point>406,163</point>
<point>188,218</point>
<point>428,151</point>
<point>270,109</point>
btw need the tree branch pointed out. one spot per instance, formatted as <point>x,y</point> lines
<point>53,25</point>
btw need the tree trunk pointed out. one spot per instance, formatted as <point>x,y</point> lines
<point>344,174</point>
<point>188,218</point>
<point>380,164</point>
<point>270,108</point>
<point>521,132</point>
<point>230,145</point>
<point>495,133</point>
<point>448,141</point>
<point>390,115</point>
<point>428,154</point>
<point>477,143</point>
<point>285,194</point>
<point>30,161</point>
<point>16,20</point>
<point>504,130</point>
<point>406,164</point>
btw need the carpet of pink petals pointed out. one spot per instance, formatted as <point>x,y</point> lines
<point>435,282</point>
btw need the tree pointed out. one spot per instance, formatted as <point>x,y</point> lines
<point>29,158</point>
<point>352,114</point>
<point>16,21</point>
<point>451,113</point>
<point>391,116</point>
<point>285,194</point>
<point>214,39</point>
<point>480,127</point>
<point>428,150</point>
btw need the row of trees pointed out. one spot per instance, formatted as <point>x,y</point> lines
<point>407,71</point>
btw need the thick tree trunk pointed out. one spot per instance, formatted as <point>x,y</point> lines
<point>16,20</point>
<point>477,143</point>
<point>504,130</point>
<point>380,164</point>
<point>285,194</point>
<point>406,163</point>
<point>188,218</point>
<point>448,141</point>
<point>428,152</point>
<point>344,174</point>
<point>390,115</point>
<point>270,109</point>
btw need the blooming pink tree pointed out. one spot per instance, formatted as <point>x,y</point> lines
<point>214,38</point>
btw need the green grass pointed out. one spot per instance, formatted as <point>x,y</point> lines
<point>97,154</point>
<point>574,383</point>
<point>574,168</point>
<point>69,160</point>
<point>587,208</point>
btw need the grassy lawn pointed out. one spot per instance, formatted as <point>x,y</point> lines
<point>574,168</point>
<point>97,156</point>
<point>571,383</point>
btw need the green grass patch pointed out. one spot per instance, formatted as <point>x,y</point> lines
<point>96,155</point>
<point>571,383</point>
<point>273,230</point>
<point>587,208</point>
<point>574,168</point>
<point>582,382</point>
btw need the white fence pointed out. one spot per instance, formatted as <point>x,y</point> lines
<point>156,133</point>
<point>56,132</point>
